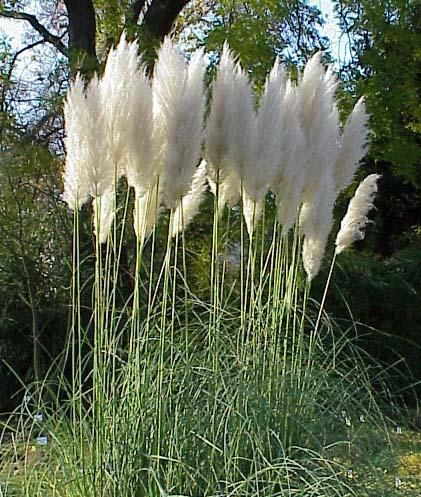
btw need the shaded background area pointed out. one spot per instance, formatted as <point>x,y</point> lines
<point>379,280</point>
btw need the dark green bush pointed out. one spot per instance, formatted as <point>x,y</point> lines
<point>383,297</point>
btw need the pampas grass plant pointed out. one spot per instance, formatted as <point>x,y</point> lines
<point>240,394</point>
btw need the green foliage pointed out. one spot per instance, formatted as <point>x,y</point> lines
<point>111,20</point>
<point>385,41</point>
<point>257,31</point>
<point>248,427</point>
<point>384,38</point>
<point>383,298</point>
<point>34,260</point>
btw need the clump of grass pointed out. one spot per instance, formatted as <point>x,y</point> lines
<point>240,394</point>
<point>233,427</point>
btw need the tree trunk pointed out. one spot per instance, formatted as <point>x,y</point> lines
<point>160,17</point>
<point>82,33</point>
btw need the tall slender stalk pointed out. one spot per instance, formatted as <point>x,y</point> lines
<point>98,363</point>
<point>214,277</point>
<point>162,334</point>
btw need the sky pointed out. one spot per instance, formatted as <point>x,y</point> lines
<point>13,29</point>
<point>10,29</point>
<point>339,44</point>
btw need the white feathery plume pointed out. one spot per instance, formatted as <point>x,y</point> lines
<point>253,149</point>
<point>355,219</point>
<point>231,133</point>
<point>319,118</point>
<point>76,178</point>
<point>139,166</point>
<point>89,170</point>
<point>323,155</point>
<point>178,90</point>
<point>190,203</point>
<point>98,154</point>
<point>242,150</point>
<point>95,126</point>
<point>316,223</point>
<point>120,73</point>
<point>322,143</point>
<point>309,89</point>
<point>319,195</point>
<point>263,166</point>
<point>331,82</point>
<point>229,188</point>
<point>252,211</point>
<point>320,121</point>
<point>353,146</point>
<point>242,135</point>
<point>264,148</point>
<point>313,253</point>
<point>285,133</point>
<point>146,212</point>
<point>289,196</point>
<point>292,168</point>
<point>221,118</point>
<point>103,219</point>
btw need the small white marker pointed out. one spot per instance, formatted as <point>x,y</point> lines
<point>43,440</point>
<point>38,417</point>
<point>399,430</point>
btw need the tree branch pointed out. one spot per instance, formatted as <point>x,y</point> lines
<point>11,67</point>
<point>33,21</point>
<point>160,16</point>
<point>20,52</point>
<point>8,77</point>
